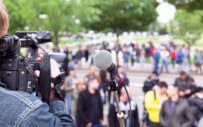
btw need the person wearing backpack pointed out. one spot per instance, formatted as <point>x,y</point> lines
<point>153,102</point>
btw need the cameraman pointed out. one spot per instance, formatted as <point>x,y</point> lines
<point>21,109</point>
<point>151,82</point>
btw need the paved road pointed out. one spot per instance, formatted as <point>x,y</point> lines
<point>136,83</point>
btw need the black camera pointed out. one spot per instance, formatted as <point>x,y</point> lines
<point>17,71</point>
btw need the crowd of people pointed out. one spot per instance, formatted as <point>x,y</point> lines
<point>86,96</point>
<point>179,55</point>
<point>178,105</point>
<point>165,105</point>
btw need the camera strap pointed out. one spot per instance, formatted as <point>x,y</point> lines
<point>45,78</point>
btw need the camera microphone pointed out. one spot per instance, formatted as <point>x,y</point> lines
<point>103,60</point>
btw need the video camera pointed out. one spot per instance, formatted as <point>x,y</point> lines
<point>17,71</point>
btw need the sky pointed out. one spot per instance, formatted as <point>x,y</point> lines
<point>166,11</point>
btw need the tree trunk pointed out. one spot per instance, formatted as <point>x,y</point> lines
<point>56,38</point>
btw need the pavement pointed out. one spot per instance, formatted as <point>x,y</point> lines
<point>136,82</point>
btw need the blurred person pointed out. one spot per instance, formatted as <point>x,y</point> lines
<point>147,50</point>
<point>124,106</point>
<point>150,82</point>
<point>179,59</point>
<point>142,57</point>
<point>73,54</point>
<point>22,109</point>
<point>173,56</point>
<point>91,73</point>
<point>153,102</point>
<point>164,58</point>
<point>117,48</point>
<point>187,56</point>
<point>152,51</point>
<point>156,57</point>
<point>86,54</point>
<point>172,44</point>
<point>126,56</point>
<point>198,61</point>
<point>151,44</point>
<point>137,52</point>
<point>60,48</point>
<point>92,52</point>
<point>123,75</point>
<point>184,82</point>
<point>79,56</point>
<point>196,104</point>
<point>104,85</point>
<point>132,54</point>
<point>79,88</point>
<point>66,50</point>
<point>69,86</point>
<point>89,105</point>
<point>175,112</point>
<point>66,61</point>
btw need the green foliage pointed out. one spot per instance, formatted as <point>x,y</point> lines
<point>123,15</point>
<point>58,16</point>
<point>19,11</point>
<point>190,25</point>
<point>25,15</point>
<point>79,15</point>
<point>158,27</point>
<point>189,5</point>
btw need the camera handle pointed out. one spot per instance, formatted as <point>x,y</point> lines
<point>58,82</point>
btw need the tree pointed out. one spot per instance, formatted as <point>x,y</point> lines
<point>20,14</point>
<point>123,15</point>
<point>189,5</point>
<point>26,15</point>
<point>190,25</point>
<point>158,27</point>
<point>57,16</point>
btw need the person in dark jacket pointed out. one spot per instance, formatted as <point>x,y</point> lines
<point>176,112</point>
<point>137,51</point>
<point>156,57</point>
<point>124,105</point>
<point>196,104</point>
<point>89,105</point>
<point>79,56</point>
<point>86,54</point>
<point>184,82</point>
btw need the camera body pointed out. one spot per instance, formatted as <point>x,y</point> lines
<point>17,71</point>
